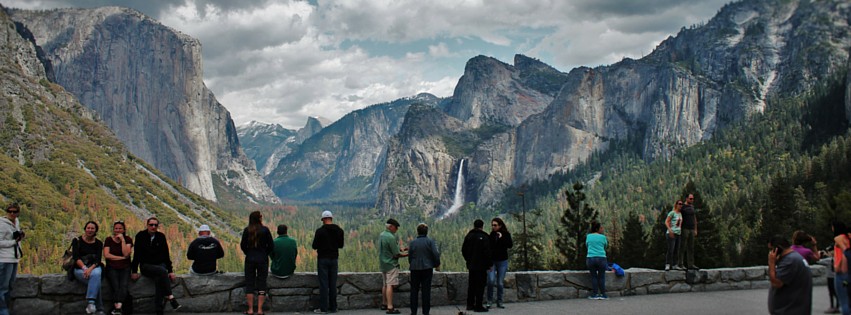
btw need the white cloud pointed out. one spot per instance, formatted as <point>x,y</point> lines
<point>282,61</point>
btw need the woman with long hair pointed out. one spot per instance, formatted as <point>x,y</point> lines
<point>87,265</point>
<point>116,251</point>
<point>257,244</point>
<point>673,223</point>
<point>500,240</point>
<point>596,243</point>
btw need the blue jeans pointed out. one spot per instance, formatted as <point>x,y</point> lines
<point>597,267</point>
<point>327,271</point>
<point>8,271</point>
<point>421,281</point>
<point>497,277</point>
<point>842,292</point>
<point>92,283</point>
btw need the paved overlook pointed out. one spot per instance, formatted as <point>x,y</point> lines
<point>693,303</point>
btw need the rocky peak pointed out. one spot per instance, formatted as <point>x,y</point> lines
<point>493,92</point>
<point>145,81</point>
<point>311,127</point>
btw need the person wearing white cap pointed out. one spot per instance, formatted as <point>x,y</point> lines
<point>327,242</point>
<point>204,251</point>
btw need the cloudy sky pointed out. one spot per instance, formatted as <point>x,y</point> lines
<point>280,61</point>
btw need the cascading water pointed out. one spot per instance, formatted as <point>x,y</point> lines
<point>459,193</point>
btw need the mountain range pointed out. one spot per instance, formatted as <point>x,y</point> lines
<point>508,124</point>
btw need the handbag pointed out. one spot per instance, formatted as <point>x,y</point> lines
<point>68,257</point>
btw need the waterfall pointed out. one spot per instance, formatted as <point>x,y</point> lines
<point>459,193</point>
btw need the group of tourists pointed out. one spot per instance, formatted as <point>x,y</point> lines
<point>120,258</point>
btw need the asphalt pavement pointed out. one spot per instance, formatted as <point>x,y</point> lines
<point>692,303</point>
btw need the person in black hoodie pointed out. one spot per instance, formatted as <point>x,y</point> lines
<point>477,253</point>
<point>500,243</point>
<point>256,243</point>
<point>327,242</point>
<point>204,251</point>
<point>152,258</point>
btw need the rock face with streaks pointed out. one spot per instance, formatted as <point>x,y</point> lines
<point>145,82</point>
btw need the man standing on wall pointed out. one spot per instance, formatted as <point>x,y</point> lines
<point>388,262</point>
<point>688,234</point>
<point>476,251</point>
<point>327,242</point>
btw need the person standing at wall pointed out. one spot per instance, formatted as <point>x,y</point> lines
<point>152,257</point>
<point>424,257</point>
<point>256,243</point>
<point>688,234</point>
<point>327,242</point>
<point>597,243</point>
<point>500,239</point>
<point>10,252</point>
<point>285,254</point>
<point>388,263</point>
<point>477,254</point>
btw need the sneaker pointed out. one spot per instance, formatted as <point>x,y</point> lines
<point>174,304</point>
<point>592,296</point>
<point>318,311</point>
<point>90,308</point>
<point>116,311</point>
<point>602,297</point>
<point>832,310</point>
<point>679,267</point>
<point>667,267</point>
<point>488,304</point>
<point>393,311</point>
<point>499,305</point>
<point>693,267</point>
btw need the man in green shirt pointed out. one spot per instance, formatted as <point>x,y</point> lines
<point>284,254</point>
<point>388,262</point>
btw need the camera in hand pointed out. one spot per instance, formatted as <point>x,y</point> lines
<point>18,235</point>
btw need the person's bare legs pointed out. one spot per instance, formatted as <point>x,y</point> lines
<point>249,299</point>
<point>261,297</point>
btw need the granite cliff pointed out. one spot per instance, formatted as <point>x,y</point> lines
<point>144,80</point>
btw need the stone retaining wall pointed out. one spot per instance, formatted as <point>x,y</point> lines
<point>53,294</point>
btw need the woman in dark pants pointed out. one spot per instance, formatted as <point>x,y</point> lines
<point>596,243</point>
<point>117,249</point>
<point>257,244</point>
<point>424,257</point>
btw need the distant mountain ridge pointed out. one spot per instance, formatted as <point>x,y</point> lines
<point>267,144</point>
<point>145,81</point>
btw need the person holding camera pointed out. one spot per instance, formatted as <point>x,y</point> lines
<point>88,251</point>
<point>10,252</point>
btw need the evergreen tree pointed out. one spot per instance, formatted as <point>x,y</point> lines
<point>533,241</point>
<point>575,222</point>
<point>657,244</point>
<point>633,245</point>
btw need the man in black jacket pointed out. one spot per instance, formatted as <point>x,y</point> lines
<point>476,251</point>
<point>327,242</point>
<point>204,251</point>
<point>152,257</point>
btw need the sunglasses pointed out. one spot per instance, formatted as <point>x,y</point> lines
<point>494,224</point>
<point>153,224</point>
<point>15,212</point>
<point>679,203</point>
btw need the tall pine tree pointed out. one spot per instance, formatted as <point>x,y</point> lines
<point>575,222</point>
<point>633,245</point>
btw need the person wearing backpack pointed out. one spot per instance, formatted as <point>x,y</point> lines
<point>88,269</point>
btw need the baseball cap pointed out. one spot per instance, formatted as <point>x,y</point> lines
<point>204,228</point>
<point>393,221</point>
<point>327,214</point>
